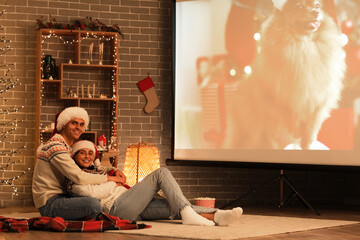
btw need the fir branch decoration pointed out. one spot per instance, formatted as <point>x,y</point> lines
<point>79,24</point>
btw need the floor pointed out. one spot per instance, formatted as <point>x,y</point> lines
<point>350,232</point>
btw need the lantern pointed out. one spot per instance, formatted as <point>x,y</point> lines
<point>140,160</point>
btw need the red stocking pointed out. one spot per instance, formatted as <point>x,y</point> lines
<point>146,86</point>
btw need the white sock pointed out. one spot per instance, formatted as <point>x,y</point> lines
<point>190,217</point>
<point>226,217</point>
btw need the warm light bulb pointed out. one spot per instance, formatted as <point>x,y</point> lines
<point>247,70</point>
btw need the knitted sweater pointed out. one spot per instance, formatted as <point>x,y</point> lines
<point>54,164</point>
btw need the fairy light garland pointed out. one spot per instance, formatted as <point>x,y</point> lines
<point>113,112</point>
<point>114,116</point>
<point>87,36</point>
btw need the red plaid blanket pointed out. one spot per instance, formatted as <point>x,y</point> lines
<point>102,223</point>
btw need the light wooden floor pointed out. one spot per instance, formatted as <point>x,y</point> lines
<point>350,232</point>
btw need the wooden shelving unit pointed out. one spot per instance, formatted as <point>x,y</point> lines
<point>70,49</point>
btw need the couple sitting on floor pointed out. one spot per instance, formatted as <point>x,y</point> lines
<point>57,174</point>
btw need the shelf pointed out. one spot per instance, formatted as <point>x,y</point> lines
<point>66,32</point>
<point>89,99</point>
<point>62,32</point>
<point>54,95</point>
<point>90,66</point>
<point>54,81</point>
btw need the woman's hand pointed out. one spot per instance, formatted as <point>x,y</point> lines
<point>118,179</point>
<point>120,174</point>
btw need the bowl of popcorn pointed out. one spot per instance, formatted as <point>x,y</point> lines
<point>204,202</point>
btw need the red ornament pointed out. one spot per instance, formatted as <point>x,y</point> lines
<point>347,27</point>
<point>102,140</point>
<point>353,60</point>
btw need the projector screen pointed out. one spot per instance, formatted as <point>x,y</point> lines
<point>267,81</point>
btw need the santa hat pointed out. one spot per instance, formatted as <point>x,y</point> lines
<point>84,144</point>
<point>65,116</point>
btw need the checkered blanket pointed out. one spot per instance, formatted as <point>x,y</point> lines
<point>57,224</point>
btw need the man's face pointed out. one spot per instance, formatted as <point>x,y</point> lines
<point>74,128</point>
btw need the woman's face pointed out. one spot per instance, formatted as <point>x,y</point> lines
<point>84,158</point>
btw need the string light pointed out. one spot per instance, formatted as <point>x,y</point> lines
<point>6,65</point>
<point>2,39</point>
<point>88,35</point>
<point>8,82</point>
<point>10,181</point>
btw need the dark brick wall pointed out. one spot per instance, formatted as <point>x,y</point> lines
<point>146,48</point>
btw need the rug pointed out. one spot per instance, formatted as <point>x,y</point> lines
<point>248,226</point>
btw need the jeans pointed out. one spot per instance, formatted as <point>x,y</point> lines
<point>71,208</point>
<point>141,202</point>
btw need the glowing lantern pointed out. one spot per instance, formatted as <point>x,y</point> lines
<point>140,160</point>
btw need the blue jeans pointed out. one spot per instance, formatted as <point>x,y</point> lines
<point>71,208</point>
<point>141,202</point>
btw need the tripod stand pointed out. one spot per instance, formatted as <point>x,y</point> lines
<point>282,203</point>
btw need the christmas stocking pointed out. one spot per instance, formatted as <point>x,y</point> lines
<point>146,86</point>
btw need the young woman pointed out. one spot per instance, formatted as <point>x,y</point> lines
<point>141,202</point>
<point>54,164</point>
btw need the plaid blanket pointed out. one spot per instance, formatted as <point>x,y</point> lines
<point>102,223</point>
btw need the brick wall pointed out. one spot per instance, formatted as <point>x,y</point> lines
<point>146,48</point>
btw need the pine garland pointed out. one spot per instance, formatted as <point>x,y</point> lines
<point>79,24</point>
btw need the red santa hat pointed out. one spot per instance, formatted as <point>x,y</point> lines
<point>84,144</point>
<point>65,116</point>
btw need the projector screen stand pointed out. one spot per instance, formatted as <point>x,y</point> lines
<point>283,180</point>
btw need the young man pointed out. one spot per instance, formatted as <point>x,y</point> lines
<point>54,165</point>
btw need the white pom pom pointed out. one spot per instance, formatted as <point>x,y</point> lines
<point>97,163</point>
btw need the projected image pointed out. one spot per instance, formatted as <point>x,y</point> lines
<point>267,75</point>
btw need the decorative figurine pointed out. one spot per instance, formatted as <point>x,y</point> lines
<point>49,67</point>
<point>91,48</point>
<point>112,144</point>
<point>102,142</point>
<point>101,53</point>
